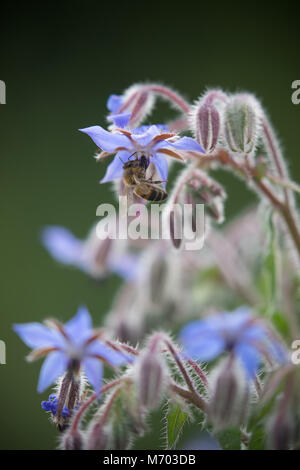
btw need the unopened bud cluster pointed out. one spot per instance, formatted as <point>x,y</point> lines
<point>233,120</point>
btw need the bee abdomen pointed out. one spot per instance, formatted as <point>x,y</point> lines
<point>150,192</point>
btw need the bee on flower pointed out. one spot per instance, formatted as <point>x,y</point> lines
<point>147,146</point>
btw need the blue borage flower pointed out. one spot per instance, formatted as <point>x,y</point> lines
<point>95,257</point>
<point>65,344</point>
<point>238,332</point>
<point>154,142</point>
<point>51,405</point>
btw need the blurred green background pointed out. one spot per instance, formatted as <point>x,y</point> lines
<point>60,62</point>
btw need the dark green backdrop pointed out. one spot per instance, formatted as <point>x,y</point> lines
<point>60,62</point>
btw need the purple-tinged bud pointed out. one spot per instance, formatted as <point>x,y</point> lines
<point>73,440</point>
<point>230,395</point>
<point>280,432</point>
<point>175,226</point>
<point>194,187</point>
<point>69,393</point>
<point>150,380</point>
<point>116,421</point>
<point>194,195</point>
<point>98,436</point>
<point>126,318</point>
<point>151,375</point>
<point>206,119</point>
<point>242,121</point>
<point>139,101</point>
<point>283,427</point>
<point>205,190</point>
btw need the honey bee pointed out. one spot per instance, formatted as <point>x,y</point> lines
<point>134,176</point>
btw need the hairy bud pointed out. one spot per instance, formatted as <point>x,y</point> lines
<point>230,396</point>
<point>73,440</point>
<point>195,194</point>
<point>97,436</point>
<point>241,124</point>
<point>150,380</point>
<point>151,376</point>
<point>206,119</point>
<point>69,392</point>
<point>205,190</point>
<point>280,433</point>
<point>139,101</point>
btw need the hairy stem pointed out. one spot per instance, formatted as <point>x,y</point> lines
<point>91,400</point>
<point>250,172</point>
<point>193,399</point>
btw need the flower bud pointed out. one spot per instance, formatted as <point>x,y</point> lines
<point>73,440</point>
<point>241,124</point>
<point>116,421</point>
<point>175,226</point>
<point>204,190</point>
<point>206,119</point>
<point>150,378</point>
<point>230,396</point>
<point>69,391</point>
<point>280,433</point>
<point>139,101</point>
<point>98,436</point>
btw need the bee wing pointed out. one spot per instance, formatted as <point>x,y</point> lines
<point>152,172</point>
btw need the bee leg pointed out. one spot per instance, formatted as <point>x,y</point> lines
<point>158,182</point>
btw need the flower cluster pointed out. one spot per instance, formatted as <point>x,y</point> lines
<point>51,405</point>
<point>229,364</point>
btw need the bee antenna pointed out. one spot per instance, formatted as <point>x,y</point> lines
<point>132,155</point>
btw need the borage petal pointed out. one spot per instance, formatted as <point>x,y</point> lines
<point>107,141</point>
<point>143,139</point>
<point>187,144</point>
<point>161,165</point>
<point>249,356</point>
<point>115,168</point>
<point>93,369</point>
<point>120,120</point>
<point>62,244</point>
<point>79,328</point>
<point>126,266</point>
<point>206,349</point>
<point>114,358</point>
<point>54,366</point>
<point>114,103</point>
<point>36,335</point>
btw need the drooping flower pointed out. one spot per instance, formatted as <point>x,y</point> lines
<point>114,103</point>
<point>94,256</point>
<point>153,142</point>
<point>238,332</point>
<point>72,346</point>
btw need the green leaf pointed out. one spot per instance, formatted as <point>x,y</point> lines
<point>281,323</point>
<point>176,419</point>
<point>258,439</point>
<point>267,281</point>
<point>229,439</point>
